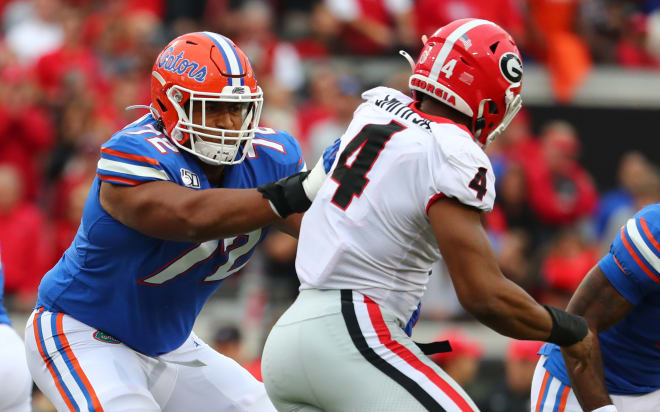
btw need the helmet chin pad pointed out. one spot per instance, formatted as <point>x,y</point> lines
<point>214,153</point>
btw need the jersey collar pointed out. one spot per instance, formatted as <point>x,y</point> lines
<point>438,119</point>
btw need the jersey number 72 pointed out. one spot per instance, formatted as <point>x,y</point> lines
<point>361,153</point>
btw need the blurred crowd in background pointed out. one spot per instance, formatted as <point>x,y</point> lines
<point>68,69</point>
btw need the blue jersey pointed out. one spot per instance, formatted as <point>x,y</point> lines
<point>630,349</point>
<point>4,318</point>
<point>145,291</point>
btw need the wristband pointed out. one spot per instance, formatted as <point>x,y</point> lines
<point>287,195</point>
<point>606,408</point>
<point>567,329</point>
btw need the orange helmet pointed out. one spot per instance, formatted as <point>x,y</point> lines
<point>474,67</point>
<point>196,68</point>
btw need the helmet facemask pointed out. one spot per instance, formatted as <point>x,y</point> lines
<point>513,104</point>
<point>212,145</point>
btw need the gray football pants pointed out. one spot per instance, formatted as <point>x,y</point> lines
<point>340,351</point>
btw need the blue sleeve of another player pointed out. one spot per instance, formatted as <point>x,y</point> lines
<point>633,264</point>
<point>282,148</point>
<point>127,161</point>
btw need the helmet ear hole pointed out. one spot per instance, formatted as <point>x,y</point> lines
<point>492,108</point>
<point>162,106</point>
<point>480,123</point>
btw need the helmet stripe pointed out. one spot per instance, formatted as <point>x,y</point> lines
<point>240,66</point>
<point>232,62</point>
<point>449,44</point>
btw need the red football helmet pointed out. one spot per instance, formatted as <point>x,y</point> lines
<point>474,67</point>
<point>205,67</point>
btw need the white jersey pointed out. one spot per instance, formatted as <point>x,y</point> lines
<point>368,228</point>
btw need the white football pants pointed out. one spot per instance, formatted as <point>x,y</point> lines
<point>15,380</point>
<point>549,394</point>
<point>78,371</point>
<point>339,351</point>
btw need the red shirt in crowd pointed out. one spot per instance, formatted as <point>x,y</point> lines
<point>24,135</point>
<point>24,256</point>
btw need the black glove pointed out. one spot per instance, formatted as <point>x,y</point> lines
<point>287,195</point>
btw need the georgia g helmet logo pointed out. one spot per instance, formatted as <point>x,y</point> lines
<point>511,67</point>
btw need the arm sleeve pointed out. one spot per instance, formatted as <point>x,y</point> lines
<point>124,164</point>
<point>633,265</point>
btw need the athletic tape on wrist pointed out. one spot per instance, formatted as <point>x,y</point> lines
<point>567,329</point>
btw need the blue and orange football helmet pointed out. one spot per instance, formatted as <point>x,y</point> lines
<point>202,67</point>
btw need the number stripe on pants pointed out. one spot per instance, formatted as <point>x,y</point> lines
<point>55,350</point>
<point>553,395</point>
<point>373,339</point>
<point>59,383</point>
<point>62,344</point>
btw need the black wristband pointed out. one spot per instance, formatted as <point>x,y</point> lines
<point>567,329</point>
<point>287,195</point>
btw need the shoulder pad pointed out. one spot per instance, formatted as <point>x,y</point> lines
<point>136,154</point>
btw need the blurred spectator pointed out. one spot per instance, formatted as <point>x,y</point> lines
<point>567,262</point>
<point>552,38</point>
<point>319,106</point>
<point>23,251</point>
<point>74,61</point>
<point>279,253</point>
<point>603,23</point>
<point>513,145</point>
<point>321,32</point>
<point>33,28</point>
<point>512,394</point>
<point>513,250</point>
<point>462,363</point>
<point>512,205</point>
<point>643,191</point>
<point>432,14</point>
<point>26,129</point>
<point>227,340</point>
<point>375,26</point>
<point>346,100</point>
<point>653,33</point>
<point>66,225</point>
<point>560,191</point>
<point>281,111</point>
<point>269,56</point>
<point>633,169</point>
<point>633,48</point>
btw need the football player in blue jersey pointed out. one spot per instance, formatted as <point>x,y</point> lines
<point>620,299</point>
<point>16,386</point>
<point>182,197</point>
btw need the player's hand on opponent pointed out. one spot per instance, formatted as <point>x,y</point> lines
<point>580,352</point>
<point>295,193</point>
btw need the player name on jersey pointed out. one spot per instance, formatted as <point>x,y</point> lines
<point>398,108</point>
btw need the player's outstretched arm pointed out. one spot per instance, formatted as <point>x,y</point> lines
<point>168,211</point>
<point>602,306</point>
<point>486,293</point>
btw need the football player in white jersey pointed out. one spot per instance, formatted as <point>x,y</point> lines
<point>408,187</point>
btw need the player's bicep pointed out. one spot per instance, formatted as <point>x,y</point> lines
<point>153,208</point>
<point>598,301</point>
<point>465,248</point>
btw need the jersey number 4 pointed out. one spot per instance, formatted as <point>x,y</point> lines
<point>358,158</point>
